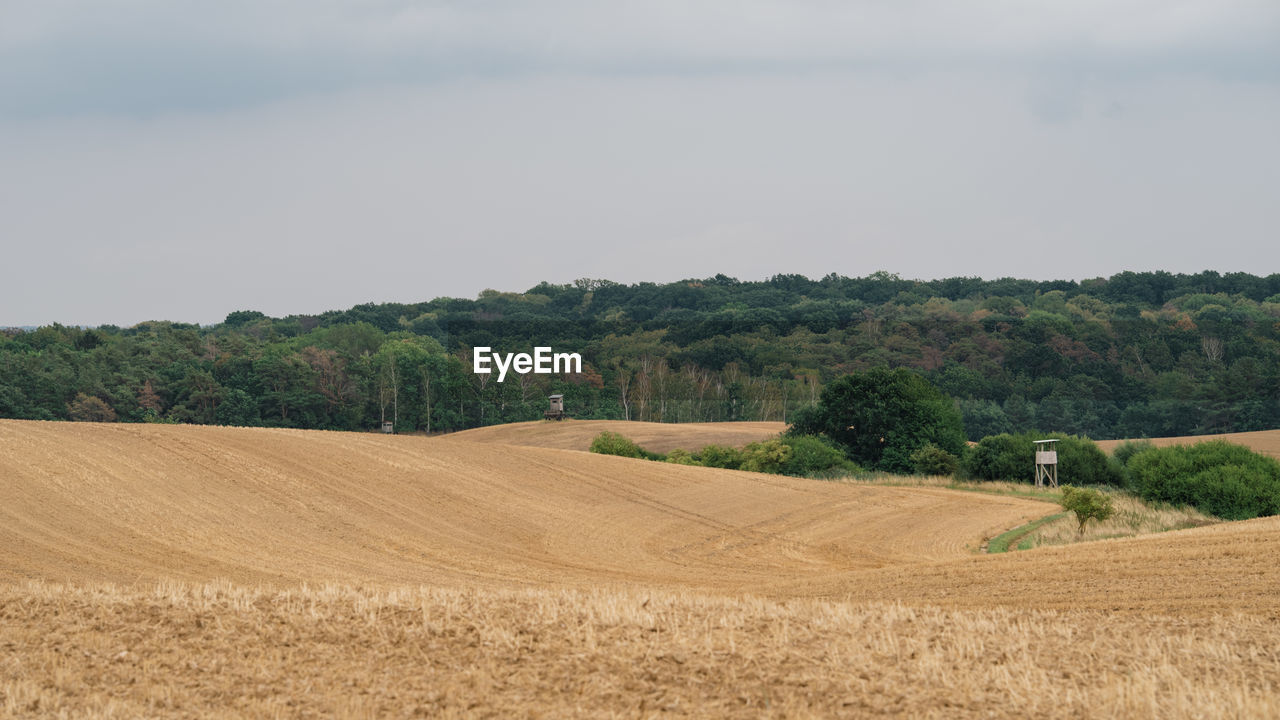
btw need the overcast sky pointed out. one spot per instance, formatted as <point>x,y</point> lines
<point>162,159</point>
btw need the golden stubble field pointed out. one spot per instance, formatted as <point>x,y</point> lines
<point>158,571</point>
<point>655,437</point>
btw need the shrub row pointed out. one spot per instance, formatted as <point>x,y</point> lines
<point>798,455</point>
<point>1218,478</point>
<point>1011,457</point>
<point>1215,477</point>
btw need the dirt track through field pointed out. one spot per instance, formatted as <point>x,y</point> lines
<point>125,503</point>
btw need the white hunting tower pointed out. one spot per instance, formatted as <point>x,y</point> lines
<point>1046,463</point>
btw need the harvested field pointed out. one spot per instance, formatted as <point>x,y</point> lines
<point>223,651</point>
<point>1223,568</point>
<point>656,437</point>
<point>1266,442</point>
<point>123,503</point>
<point>166,571</point>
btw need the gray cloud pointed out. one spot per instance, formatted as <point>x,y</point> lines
<point>183,160</point>
<point>152,55</point>
<point>410,194</point>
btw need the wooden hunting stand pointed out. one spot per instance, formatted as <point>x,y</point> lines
<point>556,411</point>
<point>1046,463</point>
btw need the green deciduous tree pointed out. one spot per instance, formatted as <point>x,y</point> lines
<point>880,417</point>
<point>87,408</point>
<point>237,408</point>
<point>1086,504</point>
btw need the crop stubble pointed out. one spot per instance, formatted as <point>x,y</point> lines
<point>182,571</point>
<point>124,502</point>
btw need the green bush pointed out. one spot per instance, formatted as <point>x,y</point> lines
<point>680,456</point>
<point>1125,452</point>
<point>881,416</point>
<point>1012,457</point>
<point>1086,504</point>
<point>612,443</point>
<point>1001,457</point>
<point>933,460</point>
<point>1216,477</point>
<point>719,456</point>
<point>766,456</point>
<point>800,455</point>
<point>1127,449</point>
<point>811,455</point>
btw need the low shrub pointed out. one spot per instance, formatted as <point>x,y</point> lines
<point>812,455</point>
<point>1127,449</point>
<point>612,443</point>
<point>680,456</point>
<point>766,456</point>
<point>798,455</point>
<point>1001,457</point>
<point>719,456</point>
<point>933,460</point>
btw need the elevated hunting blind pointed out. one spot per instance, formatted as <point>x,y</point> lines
<point>1046,463</point>
<point>556,411</point>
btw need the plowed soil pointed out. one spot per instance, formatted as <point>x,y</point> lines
<point>161,571</point>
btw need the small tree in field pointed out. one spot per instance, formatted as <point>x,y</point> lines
<point>1086,504</point>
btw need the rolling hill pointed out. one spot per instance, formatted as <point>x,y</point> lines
<point>123,502</point>
<point>180,571</point>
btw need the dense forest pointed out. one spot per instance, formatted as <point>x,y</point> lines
<point>1137,354</point>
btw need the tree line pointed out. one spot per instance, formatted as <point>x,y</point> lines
<point>1132,355</point>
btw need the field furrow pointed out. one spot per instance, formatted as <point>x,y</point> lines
<point>178,572</point>
<point>148,502</point>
